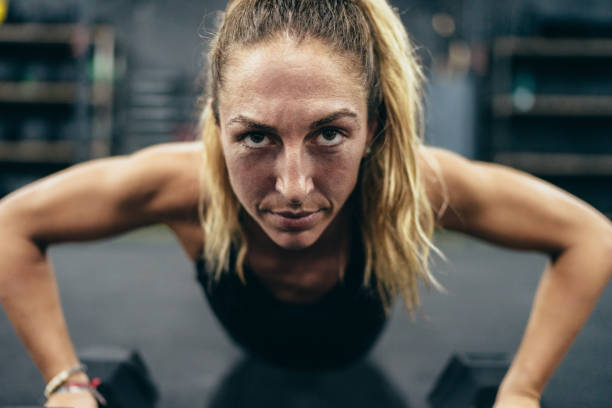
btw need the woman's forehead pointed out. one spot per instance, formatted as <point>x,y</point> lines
<point>283,74</point>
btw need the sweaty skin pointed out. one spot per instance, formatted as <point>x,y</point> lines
<point>282,159</point>
<point>107,197</point>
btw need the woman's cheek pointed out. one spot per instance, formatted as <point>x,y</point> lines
<point>249,179</point>
<point>337,177</point>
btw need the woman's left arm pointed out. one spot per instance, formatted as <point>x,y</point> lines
<point>516,210</point>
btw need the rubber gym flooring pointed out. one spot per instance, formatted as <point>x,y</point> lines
<point>139,291</point>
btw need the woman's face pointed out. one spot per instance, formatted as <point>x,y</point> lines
<point>293,125</point>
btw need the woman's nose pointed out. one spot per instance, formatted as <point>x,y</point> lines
<point>294,178</point>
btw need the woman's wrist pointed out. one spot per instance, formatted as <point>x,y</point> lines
<point>79,377</point>
<point>515,401</point>
<point>77,372</point>
<point>81,399</point>
<point>90,387</point>
<point>513,386</point>
<point>74,380</point>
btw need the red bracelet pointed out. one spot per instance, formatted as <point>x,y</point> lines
<point>91,386</point>
<point>93,383</point>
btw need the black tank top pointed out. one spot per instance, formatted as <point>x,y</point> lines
<point>337,329</point>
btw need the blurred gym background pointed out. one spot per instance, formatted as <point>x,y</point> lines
<point>527,83</point>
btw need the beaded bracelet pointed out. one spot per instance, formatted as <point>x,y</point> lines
<point>62,377</point>
<point>81,386</point>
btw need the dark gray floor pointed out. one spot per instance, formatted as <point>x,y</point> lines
<point>139,291</point>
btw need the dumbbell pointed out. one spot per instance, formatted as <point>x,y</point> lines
<point>125,381</point>
<point>470,380</point>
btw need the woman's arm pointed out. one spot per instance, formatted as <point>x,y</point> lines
<point>89,201</point>
<point>516,210</point>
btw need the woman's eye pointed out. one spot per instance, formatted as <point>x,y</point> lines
<point>329,137</point>
<point>255,140</point>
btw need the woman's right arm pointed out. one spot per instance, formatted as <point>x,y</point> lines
<point>88,201</point>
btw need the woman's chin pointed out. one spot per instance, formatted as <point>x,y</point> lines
<point>294,240</point>
<point>291,235</point>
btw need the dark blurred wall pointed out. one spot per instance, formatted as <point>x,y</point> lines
<point>161,33</point>
<point>163,43</point>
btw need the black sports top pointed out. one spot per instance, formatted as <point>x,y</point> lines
<point>338,328</point>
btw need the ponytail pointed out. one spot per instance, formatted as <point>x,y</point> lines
<point>398,219</point>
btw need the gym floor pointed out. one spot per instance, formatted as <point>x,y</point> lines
<point>139,291</point>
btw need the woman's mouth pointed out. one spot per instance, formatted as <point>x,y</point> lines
<point>295,220</point>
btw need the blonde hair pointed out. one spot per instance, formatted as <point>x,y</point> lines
<point>397,218</point>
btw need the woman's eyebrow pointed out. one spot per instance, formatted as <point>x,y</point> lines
<point>332,117</point>
<point>254,125</point>
<point>250,124</point>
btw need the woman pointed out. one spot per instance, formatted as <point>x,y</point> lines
<point>315,204</point>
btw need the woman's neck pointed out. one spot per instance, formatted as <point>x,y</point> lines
<point>300,276</point>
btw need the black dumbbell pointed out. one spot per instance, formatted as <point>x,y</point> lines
<point>470,380</point>
<point>124,380</point>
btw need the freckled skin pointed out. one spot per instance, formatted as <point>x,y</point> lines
<point>293,167</point>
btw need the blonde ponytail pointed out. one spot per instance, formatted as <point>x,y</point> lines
<point>398,219</point>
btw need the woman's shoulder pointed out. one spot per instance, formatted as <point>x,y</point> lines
<point>431,163</point>
<point>173,171</point>
<point>174,155</point>
<point>178,189</point>
<point>448,180</point>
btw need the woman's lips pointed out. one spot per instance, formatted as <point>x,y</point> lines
<point>295,220</point>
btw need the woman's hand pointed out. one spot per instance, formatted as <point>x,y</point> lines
<point>83,399</point>
<point>516,401</point>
